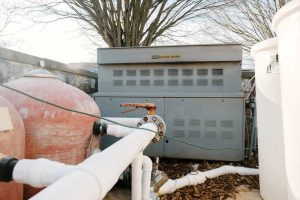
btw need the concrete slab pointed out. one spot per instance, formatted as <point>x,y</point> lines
<point>245,193</point>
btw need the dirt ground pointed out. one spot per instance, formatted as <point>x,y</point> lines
<point>226,187</point>
<point>221,188</point>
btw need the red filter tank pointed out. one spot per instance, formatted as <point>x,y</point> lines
<point>12,143</point>
<point>52,132</point>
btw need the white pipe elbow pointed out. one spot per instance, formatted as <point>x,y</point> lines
<point>167,188</point>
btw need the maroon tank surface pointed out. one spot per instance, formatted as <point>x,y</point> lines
<point>12,143</point>
<point>52,132</point>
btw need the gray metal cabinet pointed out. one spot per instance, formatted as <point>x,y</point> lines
<point>197,90</point>
<point>212,123</point>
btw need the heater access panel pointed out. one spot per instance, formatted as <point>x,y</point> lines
<point>213,127</point>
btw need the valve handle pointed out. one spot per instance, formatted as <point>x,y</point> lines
<point>150,107</point>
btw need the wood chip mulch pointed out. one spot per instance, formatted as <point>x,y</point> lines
<point>219,188</point>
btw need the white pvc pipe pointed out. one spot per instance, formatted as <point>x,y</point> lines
<point>118,131</point>
<point>99,173</point>
<point>132,122</point>
<point>146,180</point>
<point>137,165</point>
<point>199,177</point>
<point>136,179</point>
<point>40,172</point>
<point>43,172</point>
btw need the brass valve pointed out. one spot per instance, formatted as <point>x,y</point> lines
<point>150,107</point>
<point>150,117</point>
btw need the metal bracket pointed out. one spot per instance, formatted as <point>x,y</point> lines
<point>158,121</point>
<point>273,67</point>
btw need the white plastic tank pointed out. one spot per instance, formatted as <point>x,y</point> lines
<point>286,23</point>
<point>272,176</point>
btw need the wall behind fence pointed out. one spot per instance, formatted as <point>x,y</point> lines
<point>14,65</point>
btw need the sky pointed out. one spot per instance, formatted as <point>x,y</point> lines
<point>59,41</point>
<point>62,41</point>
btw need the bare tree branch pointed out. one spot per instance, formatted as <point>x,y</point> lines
<point>125,22</point>
<point>245,21</point>
<point>7,12</point>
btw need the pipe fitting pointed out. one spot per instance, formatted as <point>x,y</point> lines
<point>99,128</point>
<point>161,125</point>
<point>7,165</point>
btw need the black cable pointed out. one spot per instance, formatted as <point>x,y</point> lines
<point>114,122</point>
<point>71,110</point>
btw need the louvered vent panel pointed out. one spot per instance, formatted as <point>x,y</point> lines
<point>187,72</point>
<point>178,133</point>
<point>158,82</point>
<point>118,73</point>
<point>173,72</point>
<point>173,82</point>
<point>210,134</point>
<point>144,82</point>
<point>217,72</point>
<point>210,123</point>
<point>194,134</point>
<point>131,82</point>
<point>202,82</point>
<point>187,82</point>
<point>158,72</point>
<point>226,135</point>
<point>117,82</point>
<point>131,72</point>
<point>194,122</point>
<point>227,123</point>
<point>145,72</point>
<point>202,72</point>
<point>217,82</point>
<point>178,122</point>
